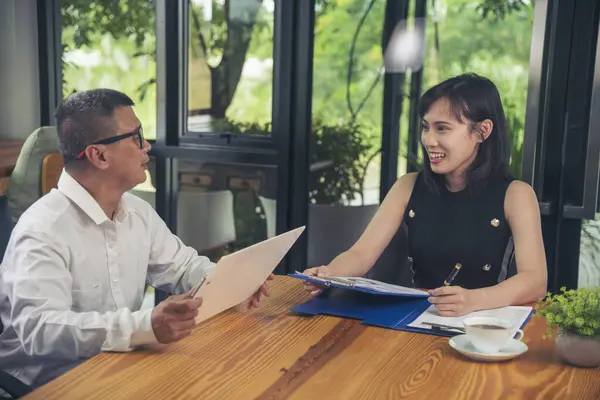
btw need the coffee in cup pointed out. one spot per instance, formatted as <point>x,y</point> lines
<point>488,334</point>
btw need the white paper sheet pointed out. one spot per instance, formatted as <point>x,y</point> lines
<point>238,276</point>
<point>517,315</point>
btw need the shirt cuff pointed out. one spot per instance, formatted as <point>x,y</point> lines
<point>144,334</point>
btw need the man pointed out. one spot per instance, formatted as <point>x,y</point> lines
<point>73,277</point>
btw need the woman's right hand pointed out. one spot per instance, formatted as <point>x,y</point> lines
<point>312,288</point>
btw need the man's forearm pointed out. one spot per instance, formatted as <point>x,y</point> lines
<point>71,336</point>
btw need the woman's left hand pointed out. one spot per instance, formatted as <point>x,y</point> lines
<point>452,301</point>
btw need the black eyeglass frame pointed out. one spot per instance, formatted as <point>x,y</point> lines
<point>114,139</point>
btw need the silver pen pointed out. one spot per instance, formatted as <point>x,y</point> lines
<point>195,290</point>
<point>444,327</point>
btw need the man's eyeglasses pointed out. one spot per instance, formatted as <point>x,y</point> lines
<point>139,132</point>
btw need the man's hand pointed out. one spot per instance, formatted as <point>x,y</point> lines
<point>452,301</point>
<point>253,300</point>
<point>174,318</point>
<point>321,272</point>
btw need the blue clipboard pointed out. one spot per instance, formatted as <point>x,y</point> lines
<point>333,282</point>
<point>390,312</point>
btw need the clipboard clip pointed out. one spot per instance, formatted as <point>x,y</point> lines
<point>330,279</point>
<point>341,281</point>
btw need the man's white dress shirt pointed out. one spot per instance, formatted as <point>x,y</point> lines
<point>72,280</point>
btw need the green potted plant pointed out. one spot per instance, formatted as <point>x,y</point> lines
<point>340,156</point>
<point>574,315</point>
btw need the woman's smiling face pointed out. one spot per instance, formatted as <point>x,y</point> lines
<point>451,144</point>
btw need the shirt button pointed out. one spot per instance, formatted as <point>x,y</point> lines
<point>115,281</point>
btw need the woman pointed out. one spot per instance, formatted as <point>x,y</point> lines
<point>463,208</point>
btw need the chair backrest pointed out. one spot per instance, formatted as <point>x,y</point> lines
<point>25,187</point>
<point>52,167</point>
<point>393,266</point>
<point>270,208</point>
<point>205,220</point>
<point>334,229</point>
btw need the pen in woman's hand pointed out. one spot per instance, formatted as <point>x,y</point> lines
<point>452,275</point>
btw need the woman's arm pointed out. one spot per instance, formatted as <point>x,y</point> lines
<point>529,284</point>
<point>361,257</point>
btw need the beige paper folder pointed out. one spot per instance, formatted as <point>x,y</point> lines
<point>238,276</point>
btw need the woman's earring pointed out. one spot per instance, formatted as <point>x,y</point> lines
<point>480,141</point>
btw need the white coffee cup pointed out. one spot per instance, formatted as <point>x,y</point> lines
<point>490,335</point>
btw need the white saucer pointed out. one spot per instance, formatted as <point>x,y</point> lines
<point>463,345</point>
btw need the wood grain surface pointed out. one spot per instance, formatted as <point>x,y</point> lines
<point>52,167</point>
<point>270,353</point>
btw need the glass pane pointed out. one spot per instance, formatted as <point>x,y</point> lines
<point>230,66</point>
<point>147,190</point>
<point>222,208</point>
<point>461,38</point>
<point>589,253</point>
<point>225,207</point>
<point>346,125</point>
<point>111,44</point>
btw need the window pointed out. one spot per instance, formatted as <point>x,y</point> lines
<point>347,103</point>
<point>230,66</point>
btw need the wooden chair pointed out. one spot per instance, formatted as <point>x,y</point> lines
<point>52,167</point>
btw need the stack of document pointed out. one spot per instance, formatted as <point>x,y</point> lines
<point>431,318</point>
<point>361,284</point>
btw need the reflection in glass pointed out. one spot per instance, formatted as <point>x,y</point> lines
<point>230,66</point>
<point>146,191</point>
<point>224,207</point>
<point>589,253</point>
<point>221,208</point>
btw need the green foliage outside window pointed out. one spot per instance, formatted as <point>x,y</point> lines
<point>490,37</point>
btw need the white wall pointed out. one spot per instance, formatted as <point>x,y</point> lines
<point>19,75</point>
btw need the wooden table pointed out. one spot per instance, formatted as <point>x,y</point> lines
<point>270,353</point>
<point>9,152</point>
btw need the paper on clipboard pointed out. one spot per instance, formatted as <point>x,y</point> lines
<point>238,276</point>
<point>517,315</point>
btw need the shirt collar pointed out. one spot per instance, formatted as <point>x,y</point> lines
<point>84,200</point>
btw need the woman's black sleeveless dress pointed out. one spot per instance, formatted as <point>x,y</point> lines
<point>463,227</point>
